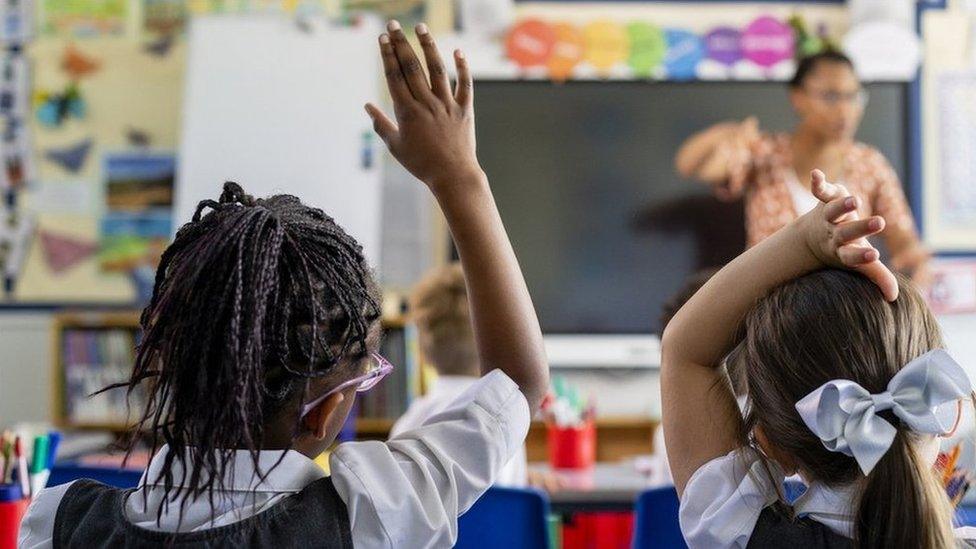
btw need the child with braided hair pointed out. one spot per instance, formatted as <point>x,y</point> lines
<point>264,324</point>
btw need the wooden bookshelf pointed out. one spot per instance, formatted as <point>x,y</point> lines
<point>369,427</point>
<point>82,320</point>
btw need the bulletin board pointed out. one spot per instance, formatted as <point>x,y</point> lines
<point>131,101</point>
<point>100,87</point>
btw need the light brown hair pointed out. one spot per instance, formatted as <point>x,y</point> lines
<point>835,324</point>
<point>439,308</point>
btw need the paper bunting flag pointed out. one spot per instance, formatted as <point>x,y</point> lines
<point>161,46</point>
<point>137,137</point>
<point>77,64</point>
<point>63,252</point>
<point>71,158</point>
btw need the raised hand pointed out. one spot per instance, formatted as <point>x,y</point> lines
<point>433,135</point>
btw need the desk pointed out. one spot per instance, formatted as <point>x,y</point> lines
<point>606,487</point>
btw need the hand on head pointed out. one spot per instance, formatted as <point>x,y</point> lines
<point>838,237</point>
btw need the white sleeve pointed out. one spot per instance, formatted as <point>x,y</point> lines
<point>37,526</point>
<point>409,491</point>
<point>723,499</point>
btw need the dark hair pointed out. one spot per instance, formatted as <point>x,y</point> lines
<point>251,301</point>
<point>831,325</point>
<point>810,62</point>
<point>439,308</point>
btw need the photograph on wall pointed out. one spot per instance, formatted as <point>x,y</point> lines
<point>138,218</point>
<point>77,19</point>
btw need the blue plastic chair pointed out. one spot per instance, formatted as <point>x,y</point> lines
<point>966,515</point>
<point>656,516</point>
<point>512,518</point>
<point>656,520</point>
<point>120,478</point>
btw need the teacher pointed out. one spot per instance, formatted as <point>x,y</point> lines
<point>771,169</point>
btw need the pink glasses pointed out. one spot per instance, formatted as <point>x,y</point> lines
<point>364,382</point>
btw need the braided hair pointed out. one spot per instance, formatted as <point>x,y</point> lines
<point>251,301</point>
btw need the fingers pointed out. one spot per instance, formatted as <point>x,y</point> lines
<point>395,81</point>
<point>464,92</point>
<point>883,278</point>
<point>854,255</point>
<point>413,71</point>
<point>860,228</point>
<point>382,125</point>
<point>439,83</point>
<point>824,191</point>
<point>836,209</point>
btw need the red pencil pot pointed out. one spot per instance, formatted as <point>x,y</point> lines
<point>12,509</point>
<point>572,447</point>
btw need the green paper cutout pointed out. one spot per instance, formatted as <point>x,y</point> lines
<point>647,48</point>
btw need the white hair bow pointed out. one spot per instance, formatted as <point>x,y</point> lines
<point>844,415</point>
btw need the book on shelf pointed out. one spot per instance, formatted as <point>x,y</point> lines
<point>94,358</point>
<point>390,398</point>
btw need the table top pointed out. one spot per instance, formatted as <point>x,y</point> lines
<point>605,487</point>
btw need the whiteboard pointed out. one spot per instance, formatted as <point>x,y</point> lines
<point>278,108</point>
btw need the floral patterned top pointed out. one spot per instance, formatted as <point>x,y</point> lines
<point>763,173</point>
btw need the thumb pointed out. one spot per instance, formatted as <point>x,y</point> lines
<point>382,125</point>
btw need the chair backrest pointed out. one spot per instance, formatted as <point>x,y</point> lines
<point>657,520</point>
<point>120,478</point>
<point>511,518</point>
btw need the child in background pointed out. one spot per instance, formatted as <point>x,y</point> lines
<point>848,386</point>
<point>439,308</point>
<point>263,325</point>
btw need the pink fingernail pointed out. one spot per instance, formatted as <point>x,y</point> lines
<point>874,224</point>
<point>393,25</point>
<point>384,38</point>
<point>850,202</point>
<point>459,54</point>
<point>422,29</point>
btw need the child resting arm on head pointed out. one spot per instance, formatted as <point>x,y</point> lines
<point>264,324</point>
<point>847,384</point>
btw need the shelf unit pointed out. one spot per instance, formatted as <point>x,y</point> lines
<point>128,321</point>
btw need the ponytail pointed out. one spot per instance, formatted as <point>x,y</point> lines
<point>903,504</point>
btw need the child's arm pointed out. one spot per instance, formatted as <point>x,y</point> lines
<point>433,137</point>
<point>701,420</point>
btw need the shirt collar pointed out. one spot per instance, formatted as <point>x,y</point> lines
<point>292,474</point>
<point>829,506</point>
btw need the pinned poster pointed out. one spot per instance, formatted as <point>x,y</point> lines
<point>685,51</point>
<point>607,44</point>
<point>567,51</point>
<point>530,43</point>
<point>647,48</point>
<point>768,41</point>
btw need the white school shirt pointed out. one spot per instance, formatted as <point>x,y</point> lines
<point>406,492</point>
<point>443,391</point>
<point>723,499</point>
